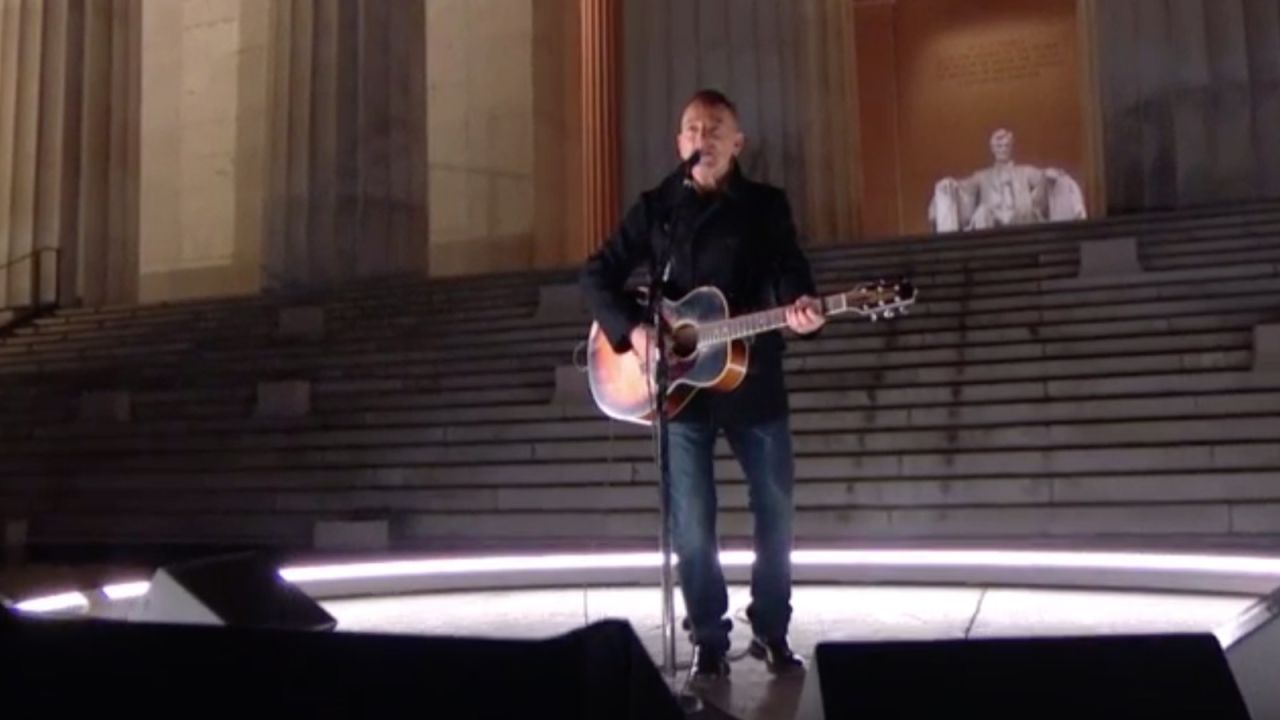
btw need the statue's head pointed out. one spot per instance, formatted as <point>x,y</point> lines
<point>1002,145</point>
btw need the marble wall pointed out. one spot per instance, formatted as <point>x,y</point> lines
<point>480,120</point>
<point>184,148</point>
<point>202,138</point>
<point>1191,101</point>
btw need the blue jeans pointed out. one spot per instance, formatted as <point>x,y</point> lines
<point>764,452</point>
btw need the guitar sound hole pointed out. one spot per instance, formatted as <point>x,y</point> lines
<point>684,341</point>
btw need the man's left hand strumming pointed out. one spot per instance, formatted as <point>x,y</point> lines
<point>804,316</point>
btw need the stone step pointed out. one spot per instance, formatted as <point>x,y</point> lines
<point>838,337</point>
<point>875,402</point>
<point>1185,458</point>
<point>17,416</point>
<point>1076,490</point>
<point>1033,370</point>
<point>880,377</point>
<point>916,349</point>
<point>276,530</point>
<point>342,309</point>
<point>1144,226</point>
<point>921,333</point>
<point>409,530</point>
<point>1061,247</point>
<point>1157,250</point>
<point>476,288</point>
<point>967,247</point>
<point>261,329</point>
<point>862,494</point>
<point>535,369</point>
<point>436,376</point>
<point>940,418</point>
<point>935,320</point>
<point>188,310</point>
<point>1019,263</point>
<point>1209,518</point>
<point>1251,278</point>
<point>903,443</point>
<point>1096,296</point>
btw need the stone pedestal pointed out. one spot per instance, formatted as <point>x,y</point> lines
<point>572,387</point>
<point>1109,258</point>
<point>1266,348</point>
<point>283,399</point>
<point>348,535</point>
<point>300,323</point>
<point>15,541</point>
<point>106,406</point>
<point>561,303</point>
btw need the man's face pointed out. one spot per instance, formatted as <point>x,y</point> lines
<point>714,132</point>
<point>1002,147</point>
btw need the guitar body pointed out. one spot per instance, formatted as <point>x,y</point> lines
<point>707,350</point>
<point>623,388</point>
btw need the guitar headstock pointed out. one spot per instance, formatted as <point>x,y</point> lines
<point>885,299</point>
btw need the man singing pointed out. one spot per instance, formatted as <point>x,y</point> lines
<point>716,227</point>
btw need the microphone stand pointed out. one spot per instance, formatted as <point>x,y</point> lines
<point>662,381</point>
<point>690,704</point>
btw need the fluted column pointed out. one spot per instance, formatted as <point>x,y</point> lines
<point>347,190</point>
<point>601,127</point>
<point>69,99</point>
<point>20,36</point>
<point>110,145</point>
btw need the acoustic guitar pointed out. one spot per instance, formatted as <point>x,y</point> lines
<point>707,349</point>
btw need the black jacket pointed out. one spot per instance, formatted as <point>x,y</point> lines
<point>742,240</point>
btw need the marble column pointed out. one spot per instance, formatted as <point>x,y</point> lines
<point>347,193</point>
<point>558,208</point>
<point>601,126</point>
<point>69,99</point>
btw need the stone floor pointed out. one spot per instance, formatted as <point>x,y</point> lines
<point>822,613</point>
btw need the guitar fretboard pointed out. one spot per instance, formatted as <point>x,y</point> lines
<point>745,326</point>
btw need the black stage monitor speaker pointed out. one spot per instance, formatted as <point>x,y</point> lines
<point>1252,642</point>
<point>243,590</point>
<point>1094,678</point>
<point>156,670</point>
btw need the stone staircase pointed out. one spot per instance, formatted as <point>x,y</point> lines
<point>1111,380</point>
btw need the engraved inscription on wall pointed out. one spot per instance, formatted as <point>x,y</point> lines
<point>991,62</point>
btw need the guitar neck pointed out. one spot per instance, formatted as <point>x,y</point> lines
<point>745,326</point>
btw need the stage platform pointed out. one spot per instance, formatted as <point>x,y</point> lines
<point>865,594</point>
<point>822,612</point>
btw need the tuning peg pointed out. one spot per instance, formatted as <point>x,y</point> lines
<point>888,314</point>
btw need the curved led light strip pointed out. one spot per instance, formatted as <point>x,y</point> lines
<point>54,603</point>
<point>124,591</point>
<point>1250,565</point>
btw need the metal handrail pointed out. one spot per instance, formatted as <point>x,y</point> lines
<point>36,295</point>
<point>23,258</point>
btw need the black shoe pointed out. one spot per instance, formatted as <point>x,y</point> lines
<point>777,656</point>
<point>708,665</point>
